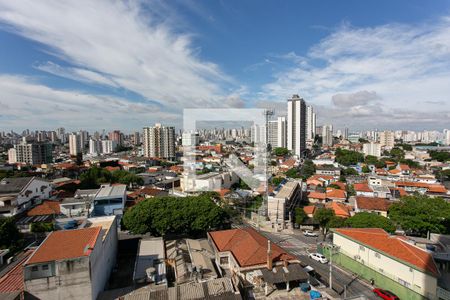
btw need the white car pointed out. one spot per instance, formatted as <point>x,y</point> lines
<point>318,257</point>
<point>310,233</point>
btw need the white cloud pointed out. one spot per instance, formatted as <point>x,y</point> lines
<point>33,105</point>
<point>119,44</point>
<point>403,66</point>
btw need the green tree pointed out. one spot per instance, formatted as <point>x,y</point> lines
<point>336,222</point>
<point>92,178</point>
<point>370,220</point>
<point>350,171</point>
<point>308,169</point>
<point>365,169</point>
<point>439,155</point>
<point>125,177</point>
<point>300,215</point>
<point>42,227</point>
<point>350,189</point>
<point>348,157</point>
<point>279,151</point>
<point>323,216</point>
<point>9,234</point>
<point>334,186</point>
<point>371,160</point>
<point>172,215</point>
<point>277,180</point>
<point>397,154</point>
<point>292,173</point>
<point>420,214</point>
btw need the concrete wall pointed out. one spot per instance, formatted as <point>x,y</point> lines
<point>72,281</point>
<point>409,281</point>
<point>35,191</point>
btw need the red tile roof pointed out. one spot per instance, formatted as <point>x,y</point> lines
<point>317,195</point>
<point>340,184</point>
<point>340,210</point>
<point>437,188</point>
<point>336,193</point>
<point>248,247</point>
<point>392,246</point>
<point>309,210</point>
<point>66,244</point>
<point>12,281</point>
<point>45,208</point>
<point>362,187</point>
<point>370,203</point>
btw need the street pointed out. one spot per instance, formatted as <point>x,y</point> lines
<point>300,246</point>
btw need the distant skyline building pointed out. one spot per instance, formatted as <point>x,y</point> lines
<point>372,148</point>
<point>95,146</point>
<point>75,142</point>
<point>387,139</point>
<point>33,153</point>
<point>116,136</point>
<point>296,125</point>
<point>310,123</point>
<point>159,141</point>
<point>108,146</point>
<point>327,135</point>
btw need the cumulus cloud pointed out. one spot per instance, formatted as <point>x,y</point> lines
<point>33,105</point>
<point>394,67</point>
<point>120,44</point>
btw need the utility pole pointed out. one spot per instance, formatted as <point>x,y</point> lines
<point>332,248</point>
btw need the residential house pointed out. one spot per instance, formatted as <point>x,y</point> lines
<point>341,210</point>
<point>73,264</point>
<point>309,210</point>
<point>328,170</point>
<point>391,262</point>
<point>150,266</point>
<point>19,194</point>
<point>375,205</point>
<point>11,277</point>
<point>109,200</point>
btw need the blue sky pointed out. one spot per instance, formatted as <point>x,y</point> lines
<point>127,64</point>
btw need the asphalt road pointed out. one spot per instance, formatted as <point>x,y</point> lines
<point>299,245</point>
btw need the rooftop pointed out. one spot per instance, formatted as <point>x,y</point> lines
<point>11,279</point>
<point>105,222</point>
<point>13,185</point>
<point>247,246</point>
<point>107,190</point>
<point>287,190</point>
<point>45,208</point>
<point>370,203</point>
<point>392,246</point>
<point>150,254</point>
<point>65,244</point>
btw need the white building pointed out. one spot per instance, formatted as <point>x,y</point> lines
<point>19,194</point>
<point>282,132</point>
<point>394,263</point>
<point>73,264</point>
<point>310,123</point>
<point>327,135</point>
<point>213,181</point>
<point>108,146</point>
<point>372,148</point>
<point>75,146</point>
<point>159,141</point>
<point>190,139</point>
<point>258,134</point>
<point>280,205</point>
<point>387,139</point>
<point>12,156</point>
<point>447,136</point>
<point>33,153</point>
<point>296,125</point>
<point>95,147</point>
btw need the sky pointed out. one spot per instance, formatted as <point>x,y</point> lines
<point>127,64</point>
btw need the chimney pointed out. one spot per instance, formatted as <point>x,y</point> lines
<point>269,256</point>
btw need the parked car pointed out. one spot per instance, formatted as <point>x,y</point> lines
<point>72,224</point>
<point>310,233</point>
<point>384,294</point>
<point>318,257</point>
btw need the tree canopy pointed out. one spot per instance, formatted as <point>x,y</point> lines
<point>300,215</point>
<point>348,157</point>
<point>370,220</point>
<point>308,169</point>
<point>96,176</point>
<point>419,214</point>
<point>323,216</point>
<point>441,156</point>
<point>9,234</point>
<point>279,151</point>
<point>172,215</point>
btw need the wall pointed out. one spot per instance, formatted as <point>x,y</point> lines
<point>387,272</point>
<point>34,187</point>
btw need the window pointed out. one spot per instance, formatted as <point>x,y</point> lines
<point>44,267</point>
<point>34,269</point>
<point>362,248</point>
<point>224,260</point>
<point>404,283</point>
<point>377,255</point>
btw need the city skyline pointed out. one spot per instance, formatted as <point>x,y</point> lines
<point>357,67</point>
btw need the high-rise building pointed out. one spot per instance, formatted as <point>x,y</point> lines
<point>190,139</point>
<point>34,153</point>
<point>447,136</point>
<point>75,144</point>
<point>95,147</point>
<point>258,134</point>
<point>12,155</point>
<point>116,136</point>
<point>310,123</point>
<point>108,146</point>
<point>327,135</point>
<point>159,141</point>
<point>372,148</point>
<point>345,133</point>
<point>277,132</point>
<point>387,139</point>
<point>136,138</point>
<point>296,125</point>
